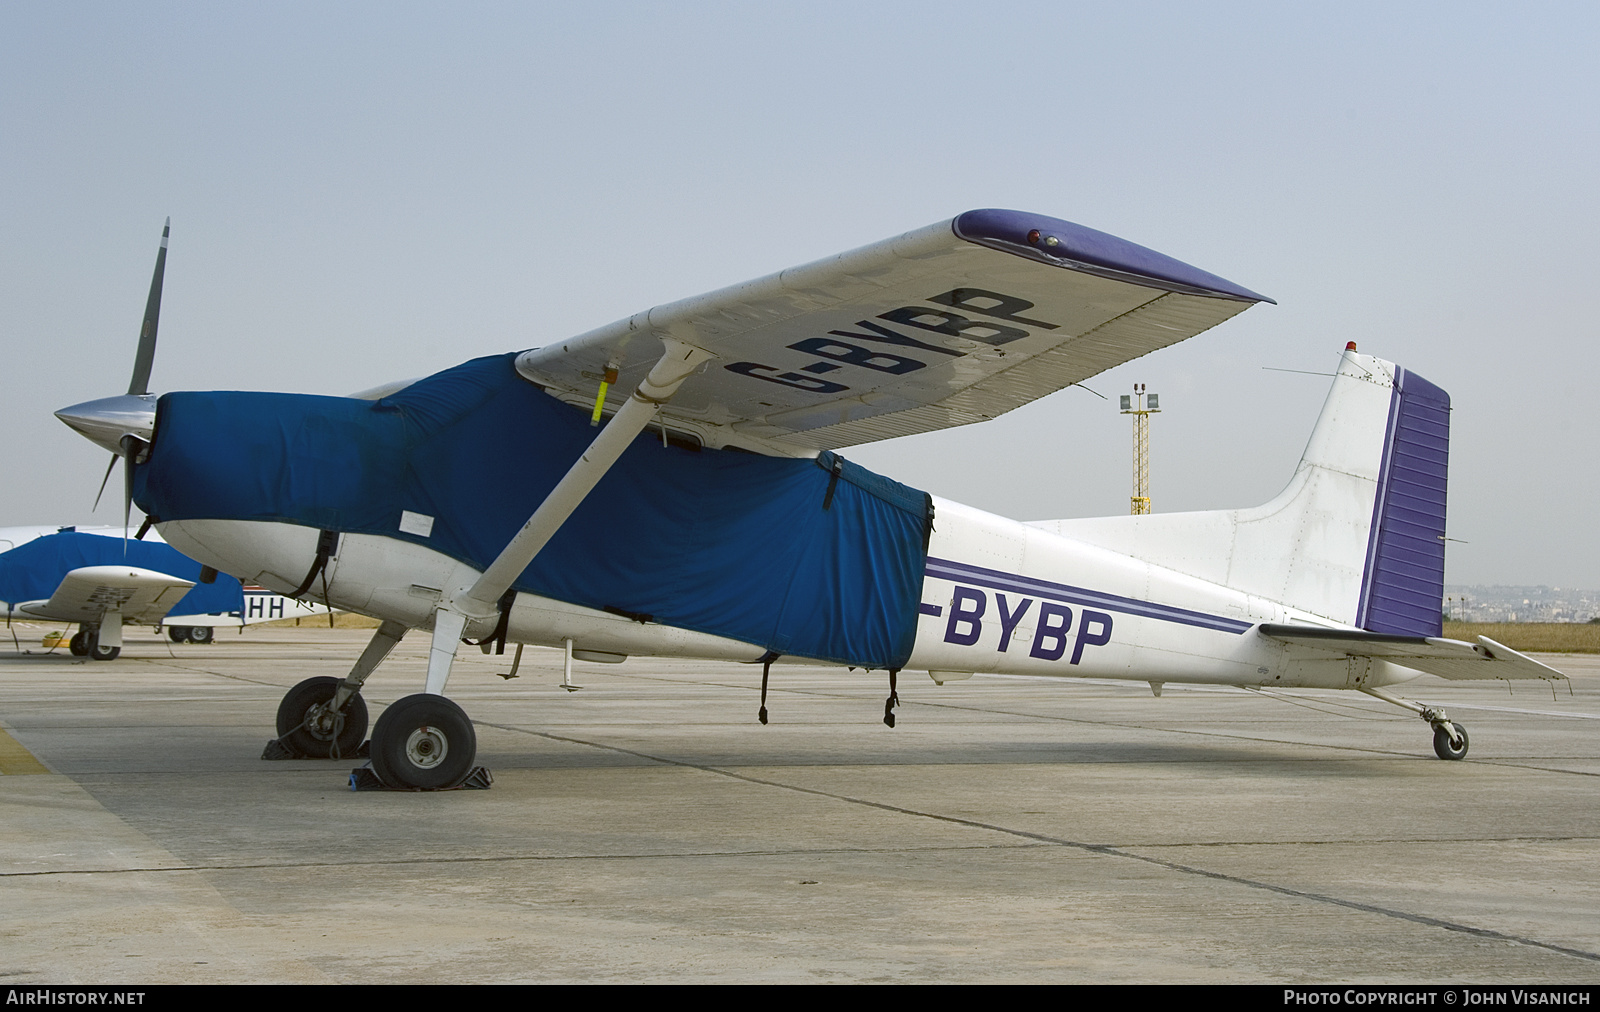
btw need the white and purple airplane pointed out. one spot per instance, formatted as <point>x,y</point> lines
<point>709,514</point>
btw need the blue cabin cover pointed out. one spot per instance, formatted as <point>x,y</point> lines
<point>810,558</point>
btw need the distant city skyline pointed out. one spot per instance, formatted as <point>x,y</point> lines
<point>1513,603</point>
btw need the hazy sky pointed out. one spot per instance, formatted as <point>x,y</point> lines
<point>370,192</point>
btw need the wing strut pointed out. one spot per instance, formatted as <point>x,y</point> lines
<point>478,603</point>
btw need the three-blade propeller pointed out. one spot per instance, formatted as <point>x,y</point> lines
<point>124,425</point>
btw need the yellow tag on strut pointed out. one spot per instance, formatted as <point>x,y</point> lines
<point>600,398</point>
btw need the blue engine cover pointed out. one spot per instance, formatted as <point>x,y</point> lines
<point>722,542</point>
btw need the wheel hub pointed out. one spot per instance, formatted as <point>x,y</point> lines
<point>321,722</point>
<point>426,747</point>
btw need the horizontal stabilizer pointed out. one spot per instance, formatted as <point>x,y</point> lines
<point>1454,659</point>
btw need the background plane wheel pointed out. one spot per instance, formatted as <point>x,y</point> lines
<point>311,736</point>
<point>177,633</point>
<point>1445,748</point>
<point>423,741</point>
<point>79,645</point>
<point>200,634</point>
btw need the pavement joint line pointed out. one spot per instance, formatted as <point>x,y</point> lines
<point>1120,849</point>
<point>513,858</point>
<point>1107,851</point>
<point>204,671</point>
<point>1530,766</point>
<point>1452,841</point>
<point>16,760</point>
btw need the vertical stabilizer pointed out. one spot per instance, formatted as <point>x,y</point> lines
<point>1357,536</point>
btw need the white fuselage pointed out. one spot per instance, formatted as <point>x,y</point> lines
<point>999,597</point>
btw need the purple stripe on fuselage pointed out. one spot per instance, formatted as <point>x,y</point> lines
<point>961,572</point>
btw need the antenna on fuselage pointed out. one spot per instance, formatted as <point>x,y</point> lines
<point>1141,406</point>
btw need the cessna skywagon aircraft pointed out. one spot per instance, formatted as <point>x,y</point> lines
<point>709,515</point>
<point>94,577</point>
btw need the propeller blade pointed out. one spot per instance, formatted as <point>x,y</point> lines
<point>142,361</point>
<point>103,481</point>
<point>131,445</point>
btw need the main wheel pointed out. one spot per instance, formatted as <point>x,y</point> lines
<point>97,652</point>
<point>79,644</point>
<point>306,725</point>
<point>177,633</point>
<point>423,741</point>
<point>1447,748</point>
<point>201,634</point>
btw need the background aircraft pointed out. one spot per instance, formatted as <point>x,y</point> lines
<point>91,577</point>
<point>724,525</point>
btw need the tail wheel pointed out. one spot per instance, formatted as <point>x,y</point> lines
<point>201,634</point>
<point>424,741</point>
<point>306,724</point>
<point>1446,747</point>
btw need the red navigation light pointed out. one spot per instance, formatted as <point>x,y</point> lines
<point>1033,236</point>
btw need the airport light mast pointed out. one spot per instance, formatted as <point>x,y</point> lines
<point>1141,406</point>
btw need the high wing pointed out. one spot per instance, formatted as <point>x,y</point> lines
<point>1456,660</point>
<point>951,324</point>
<point>141,596</point>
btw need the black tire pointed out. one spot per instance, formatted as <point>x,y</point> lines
<point>1445,748</point>
<point>79,644</point>
<point>94,651</point>
<point>424,741</point>
<point>200,634</point>
<point>298,701</point>
<point>177,633</point>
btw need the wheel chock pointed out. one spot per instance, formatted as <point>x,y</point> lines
<point>277,749</point>
<point>365,778</point>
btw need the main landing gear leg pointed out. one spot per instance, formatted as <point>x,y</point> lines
<point>326,718</point>
<point>425,741</point>
<point>104,642</point>
<point>1449,738</point>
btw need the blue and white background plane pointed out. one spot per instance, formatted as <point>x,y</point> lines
<point>99,580</point>
<point>671,485</point>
